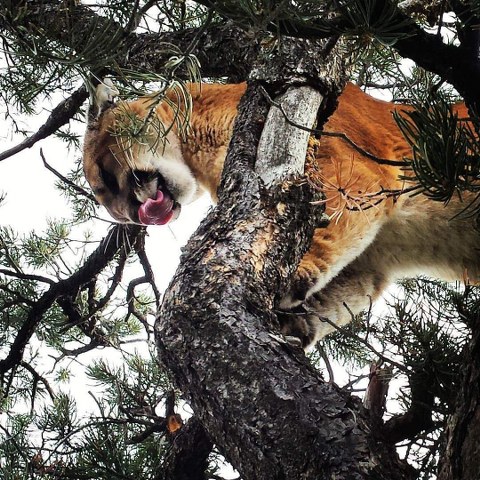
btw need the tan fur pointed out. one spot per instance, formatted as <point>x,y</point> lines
<point>362,250</point>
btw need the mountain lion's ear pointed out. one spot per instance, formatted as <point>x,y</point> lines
<point>104,98</point>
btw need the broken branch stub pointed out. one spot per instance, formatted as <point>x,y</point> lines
<point>283,145</point>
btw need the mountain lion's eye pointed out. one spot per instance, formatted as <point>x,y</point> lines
<point>110,181</point>
<point>141,177</point>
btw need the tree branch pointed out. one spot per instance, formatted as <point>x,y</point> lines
<point>95,263</point>
<point>65,180</point>
<point>376,394</point>
<point>457,65</point>
<point>60,116</point>
<point>26,276</point>
<point>222,49</point>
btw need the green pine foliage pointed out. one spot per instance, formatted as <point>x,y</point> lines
<point>420,339</point>
<point>121,438</point>
<point>445,150</point>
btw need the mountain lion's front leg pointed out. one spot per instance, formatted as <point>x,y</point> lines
<point>359,211</point>
<point>342,266</point>
<point>421,237</point>
<point>348,293</point>
<point>332,249</point>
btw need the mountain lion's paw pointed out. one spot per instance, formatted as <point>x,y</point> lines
<point>297,325</point>
<point>301,285</point>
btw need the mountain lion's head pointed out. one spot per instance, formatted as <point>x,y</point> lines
<point>144,181</point>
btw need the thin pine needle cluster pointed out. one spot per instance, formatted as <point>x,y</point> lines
<point>445,150</point>
<point>342,192</point>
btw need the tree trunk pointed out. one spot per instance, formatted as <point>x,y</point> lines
<point>461,458</point>
<point>266,408</point>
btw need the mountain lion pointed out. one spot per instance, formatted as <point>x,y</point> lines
<point>374,237</point>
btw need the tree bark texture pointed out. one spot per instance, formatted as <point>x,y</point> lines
<point>462,444</point>
<point>267,409</point>
<point>187,458</point>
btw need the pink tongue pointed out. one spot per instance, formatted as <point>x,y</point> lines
<point>158,211</point>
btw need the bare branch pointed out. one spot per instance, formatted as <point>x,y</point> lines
<point>60,115</point>
<point>376,394</point>
<point>26,276</point>
<point>68,182</point>
<point>147,267</point>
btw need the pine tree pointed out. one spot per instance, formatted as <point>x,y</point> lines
<point>61,298</point>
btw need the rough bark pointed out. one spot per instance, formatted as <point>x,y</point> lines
<point>462,445</point>
<point>223,50</point>
<point>188,455</point>
<point>266,408</point>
